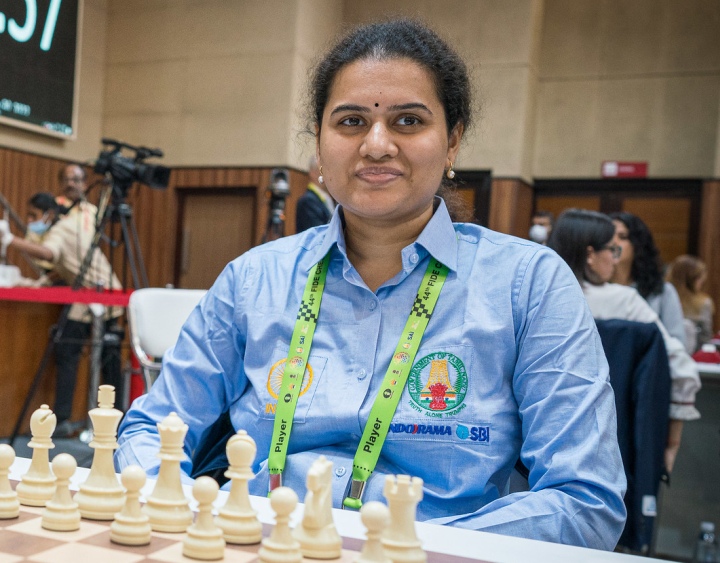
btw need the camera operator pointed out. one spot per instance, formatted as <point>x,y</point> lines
<point>65,245</point>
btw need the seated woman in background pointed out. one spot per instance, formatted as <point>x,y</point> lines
<point>584,239</point>
<point>688,274</point>
<point>640,266</point>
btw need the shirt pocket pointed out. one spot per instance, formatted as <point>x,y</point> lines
<point>268,388</point>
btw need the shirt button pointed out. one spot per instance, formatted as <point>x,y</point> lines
<point>372,305</point>
<point>414,258</point>
<point>361,374</point>
<point>339,471</point>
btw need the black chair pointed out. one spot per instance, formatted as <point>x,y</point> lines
<point>640,377</point>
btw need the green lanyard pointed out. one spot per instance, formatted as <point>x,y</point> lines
<point>294,372</point>
<point>390,391</point>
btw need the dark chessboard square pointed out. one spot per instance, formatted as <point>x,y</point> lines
<point>24,545</point>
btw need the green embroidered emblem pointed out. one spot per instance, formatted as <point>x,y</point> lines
<point>438,382</point>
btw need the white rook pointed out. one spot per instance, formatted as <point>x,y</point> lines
<point>400,541</point>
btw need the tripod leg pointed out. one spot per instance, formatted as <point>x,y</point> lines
<point>134,254</point>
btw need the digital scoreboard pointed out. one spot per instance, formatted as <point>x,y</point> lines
<point>39,62</point>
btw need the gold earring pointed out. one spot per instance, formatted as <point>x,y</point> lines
<point>320,178</point>
<point>450,173</point>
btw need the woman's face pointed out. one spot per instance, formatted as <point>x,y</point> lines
<point>602,262</point>
<point>383,144</point>
<point>622,239</point>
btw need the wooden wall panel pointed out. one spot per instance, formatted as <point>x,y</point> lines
<point>709,245</point>
<point>511,206</point>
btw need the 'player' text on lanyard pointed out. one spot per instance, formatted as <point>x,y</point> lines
<point>391,388</point>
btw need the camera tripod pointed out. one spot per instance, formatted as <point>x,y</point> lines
<point>113,209</point>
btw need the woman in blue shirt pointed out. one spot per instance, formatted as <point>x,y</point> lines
<point>394,341</point>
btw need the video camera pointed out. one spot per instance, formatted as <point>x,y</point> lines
<point>126,170</point>
<point>279,188</point>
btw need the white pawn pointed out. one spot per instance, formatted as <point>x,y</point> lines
<point>375,515</point>
<point>100,497</point>
<point>9,505</point>
<point>316,533</point>
<point>400,540</point>
<point>204,539</point>
<point>61,512</point>
<point>37,486</point>
<point>131,526</point>
<point>237,518</point>
<point>280,546</point>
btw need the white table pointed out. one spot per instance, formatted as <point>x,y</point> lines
<point>442,539</point>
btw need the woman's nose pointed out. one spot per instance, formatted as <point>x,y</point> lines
<point>378,143</point>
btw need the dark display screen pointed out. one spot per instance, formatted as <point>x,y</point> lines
<point>38,63</point>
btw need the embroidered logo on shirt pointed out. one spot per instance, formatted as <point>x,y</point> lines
<point>477,434</point>
<point>437,385</point>
<point>276,374</point>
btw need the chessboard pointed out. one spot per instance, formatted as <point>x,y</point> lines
<point>23,539</point>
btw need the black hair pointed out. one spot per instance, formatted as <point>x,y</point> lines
<point>646,270</point>
<point>574,231</point>
<point>43,201</point>
<point>402,38</point>
<point>398,39</point>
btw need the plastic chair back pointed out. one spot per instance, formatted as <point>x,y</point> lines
<point>155,317</point>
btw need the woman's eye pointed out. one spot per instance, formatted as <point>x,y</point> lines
<point>351,121</point>
<point>408,120</point>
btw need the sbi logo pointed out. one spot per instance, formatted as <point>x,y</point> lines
<point>473,433</point>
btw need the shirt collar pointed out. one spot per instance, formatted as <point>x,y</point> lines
<point>438,237</point>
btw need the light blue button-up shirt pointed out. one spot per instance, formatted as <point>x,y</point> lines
<point>510,366</point>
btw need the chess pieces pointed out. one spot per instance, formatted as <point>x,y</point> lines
<point>316,533</point>
<point>37,486</point>
<point>204,538</point>
<point>375,516</point>
<point>131,526</point>
<point>9,505</point>
<point>167,507</point>
<point>280,546</point>
<point>237,519</point>
<point>100,497</point>
<point>400,540</point>
<point>61,512</point>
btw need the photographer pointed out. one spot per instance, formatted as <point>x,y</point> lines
<point>65,245</point>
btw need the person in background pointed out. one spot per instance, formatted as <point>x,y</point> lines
<point>316,206</point>
<point>43,212</point>
<point>541,226</point>
<point>65,246</point>
<point>584,239</point>
<point>442,350</point>
<point>688,274</point>
<point>640,266</point>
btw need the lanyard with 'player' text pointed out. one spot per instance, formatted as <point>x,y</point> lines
<point>294,372</point>
<point>393,384</point>
<point>391,389</point>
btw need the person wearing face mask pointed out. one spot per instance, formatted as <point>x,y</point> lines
<point>542,225</point>
<point>44,211</point>
<point>584,239</point>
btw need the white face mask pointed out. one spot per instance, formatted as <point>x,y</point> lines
<point>538,233</point>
